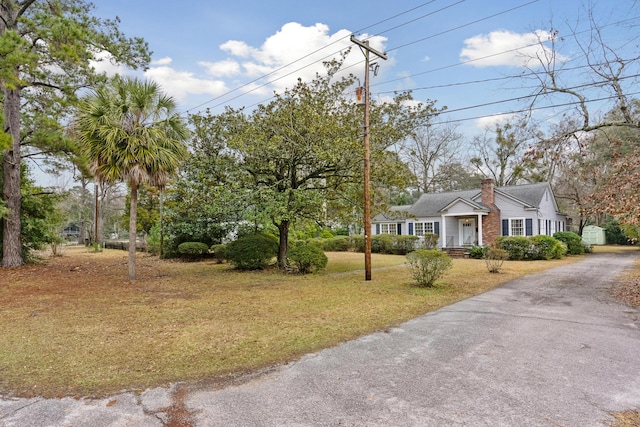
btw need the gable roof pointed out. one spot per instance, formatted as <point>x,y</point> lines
<point>529,195</point>
<point>432,204</point>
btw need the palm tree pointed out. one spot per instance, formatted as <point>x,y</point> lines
<point>130,132</point>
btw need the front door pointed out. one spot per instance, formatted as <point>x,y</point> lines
<point>467,232</point>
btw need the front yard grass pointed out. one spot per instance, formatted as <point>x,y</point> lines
<point>74,325</point>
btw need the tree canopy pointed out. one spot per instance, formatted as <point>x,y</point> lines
<point>47,51</point>
<point>303,149</point>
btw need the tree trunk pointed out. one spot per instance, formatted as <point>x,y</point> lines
<point>283,228</point>
<point>133,211</point>
<point>11,238</point>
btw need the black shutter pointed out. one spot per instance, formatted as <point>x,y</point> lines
<point>528,227</point>
<point>436,228</point>
<point>377,228</point>
<point>410,229</point>
<point>399,228</point>
<point>505,227</point>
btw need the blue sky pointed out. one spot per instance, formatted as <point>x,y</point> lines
<point>216,53</point>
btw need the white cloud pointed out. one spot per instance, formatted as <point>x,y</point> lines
<point>490,122</point>
<point>296,51</point>
<point>237,48</point>
<point>278,58</point>
<point>105,63</point>
<point>181,84</point>
<point>507,48</point>
<point>162,61</point>
<point>227,67</point>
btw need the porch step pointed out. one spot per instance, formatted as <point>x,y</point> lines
<point>457,252</point>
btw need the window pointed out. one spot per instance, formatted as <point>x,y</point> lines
<point>517,227</point>
<point>388,228</point>
<point>422,228</point>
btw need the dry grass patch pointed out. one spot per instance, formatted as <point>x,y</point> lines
<point>75,325</point>
<point>628,290</point>
<point>627,419</point>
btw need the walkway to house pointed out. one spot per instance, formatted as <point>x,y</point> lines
<point>550,349</point>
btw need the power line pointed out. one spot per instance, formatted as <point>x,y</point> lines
<point>301,58</point>
<point>343,38</point>
<point>494,79</point>
<point>398,47</point>
<point>463,25</point>
<point>545,107</point>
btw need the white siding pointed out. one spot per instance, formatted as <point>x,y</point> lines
<point>510,209</point>
<point>460,207</point>
<point>547,208</point>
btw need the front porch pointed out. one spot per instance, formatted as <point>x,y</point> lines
<point>461,231</point>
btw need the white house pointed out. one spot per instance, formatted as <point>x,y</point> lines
<point>476,217</point>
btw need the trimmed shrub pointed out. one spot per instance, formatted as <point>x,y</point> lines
<point>518,247</point>
<point>357,243</point>
<point>547,247</point>
<point>218,252</point>
<point>478,252</point>
<point>252,252</point>
<point>334,244</point>
<point>193,250</point>
<point>307,258</point>
<point>494,258</point>
<point>382,244</point>
<point>428,265</point>
<point>430,241</point>
<point>402,245</point>
<point>572,240</point>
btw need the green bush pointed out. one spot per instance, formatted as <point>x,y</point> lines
<point>334,244</point>
<point>382,244</point>
<point>518,247</point>
<point>218,252</point>
<point>252,252</point>
<point>326,234</point>
<point>193,250</point>
<point>494,258</point>
<point>430,241</point>
<point>153,241</point>
<point>547,247</point>
<point>428,265</point>
<point>357,243</point>
<point>402,245</point>
<point>478,252</point>
<point>572,240</point>
<point>307,258</point>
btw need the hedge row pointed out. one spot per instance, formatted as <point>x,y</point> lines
<point>380,243</point>
<point>531,248</point>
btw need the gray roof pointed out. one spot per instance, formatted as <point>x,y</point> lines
<point>529,194</point>
<point>432,204</point>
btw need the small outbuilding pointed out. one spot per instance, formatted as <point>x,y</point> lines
<point>594,235</point>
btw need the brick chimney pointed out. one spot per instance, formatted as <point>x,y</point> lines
<point>490,223</point>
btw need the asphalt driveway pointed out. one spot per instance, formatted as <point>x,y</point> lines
<point>550,349</point>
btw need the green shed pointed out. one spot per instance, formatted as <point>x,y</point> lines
<point>594,235</point>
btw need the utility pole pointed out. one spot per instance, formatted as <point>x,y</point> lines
<point>364,46</point>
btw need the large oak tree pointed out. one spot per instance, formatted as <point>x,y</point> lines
<point>303,150</point>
